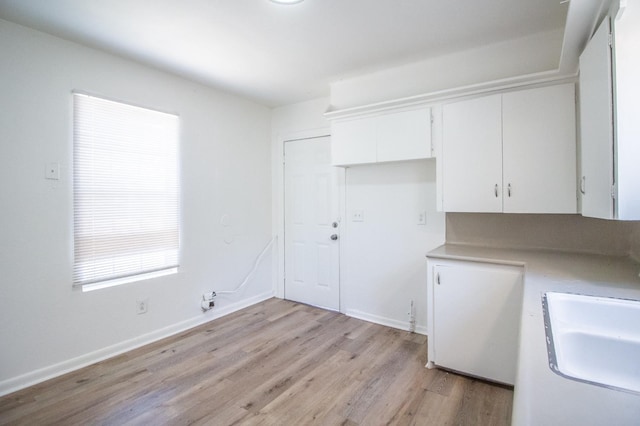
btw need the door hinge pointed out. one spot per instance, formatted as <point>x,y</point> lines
<point>610,40</point>
<point>613,192</point>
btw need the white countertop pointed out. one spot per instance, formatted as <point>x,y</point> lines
<point>542,397</point>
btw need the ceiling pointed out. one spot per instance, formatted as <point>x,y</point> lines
<point>277,54</point>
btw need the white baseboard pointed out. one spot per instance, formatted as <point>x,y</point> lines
<point>389,322</point>
<point>20,382</point>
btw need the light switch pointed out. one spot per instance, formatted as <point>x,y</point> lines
<point>53,171</point>
<point>357,216</point>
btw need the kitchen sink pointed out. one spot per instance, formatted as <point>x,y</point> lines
<point>594,339</point>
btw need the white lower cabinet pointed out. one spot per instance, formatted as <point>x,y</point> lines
<point>474,318</point>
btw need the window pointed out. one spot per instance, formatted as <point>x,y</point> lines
<point>126,192</point>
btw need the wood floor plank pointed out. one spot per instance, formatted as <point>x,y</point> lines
<point>483,404</point>
<point>274,363</point>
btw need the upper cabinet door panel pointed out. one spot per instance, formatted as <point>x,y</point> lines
<point>539,150</point>
<point>626,52</point>
<point>596,126</point>
<point>398,136</point>
<point>404,135</point>
<point>353,142</point>
<point>472,155</point>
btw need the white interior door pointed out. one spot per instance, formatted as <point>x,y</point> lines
<point>312,223</point>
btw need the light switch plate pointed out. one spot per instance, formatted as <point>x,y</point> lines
<point>357,216</point>
<point>52,171</point>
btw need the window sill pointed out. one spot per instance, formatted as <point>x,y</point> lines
<point>127,280</point>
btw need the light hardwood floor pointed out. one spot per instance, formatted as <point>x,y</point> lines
<point>275,363</point>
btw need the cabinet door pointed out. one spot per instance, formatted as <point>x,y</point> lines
<point>404,135</point>
<point>596,126</point>
<point>476,318</point>
<point>539,150</point>
<point>472,155</point>
<point>626,45</point>
<point>353,142</point>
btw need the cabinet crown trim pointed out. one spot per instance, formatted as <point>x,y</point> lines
<point>441,96</point>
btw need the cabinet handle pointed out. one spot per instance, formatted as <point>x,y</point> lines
<point>509,190</point>
<point>438,278</point>
<point>583,184</point>
<point>495,190</point>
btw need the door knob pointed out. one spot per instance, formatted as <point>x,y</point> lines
<point>334,237</point>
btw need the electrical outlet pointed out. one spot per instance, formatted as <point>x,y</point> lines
<point>142,306</point>
<point>208,301</point>
<point>422,218</point>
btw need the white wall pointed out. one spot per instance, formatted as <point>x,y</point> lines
<point>225,164</point>
<point>385,265</point>
<point>530,55</point>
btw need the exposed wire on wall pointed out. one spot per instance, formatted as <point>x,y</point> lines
<point>253,269</point>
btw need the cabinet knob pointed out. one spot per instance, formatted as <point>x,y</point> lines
<point>495,190</point>
<point>583,182</point>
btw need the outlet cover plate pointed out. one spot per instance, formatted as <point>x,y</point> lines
<point>142,306</point>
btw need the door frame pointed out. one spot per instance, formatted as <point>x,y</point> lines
<point>278,212</point>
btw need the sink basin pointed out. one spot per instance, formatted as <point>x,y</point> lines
<point>594,339</point>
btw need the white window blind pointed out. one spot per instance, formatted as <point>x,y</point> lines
<point>126,191</point>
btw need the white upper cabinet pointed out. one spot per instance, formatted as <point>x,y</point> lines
<point>397,136</point>
<point>353,142</point>
<point>539,150</point>
<point>596,114</point>
<point>609,124</point>
<point>512,153</point>
<point>404,135</point>
<point>472,155</point>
